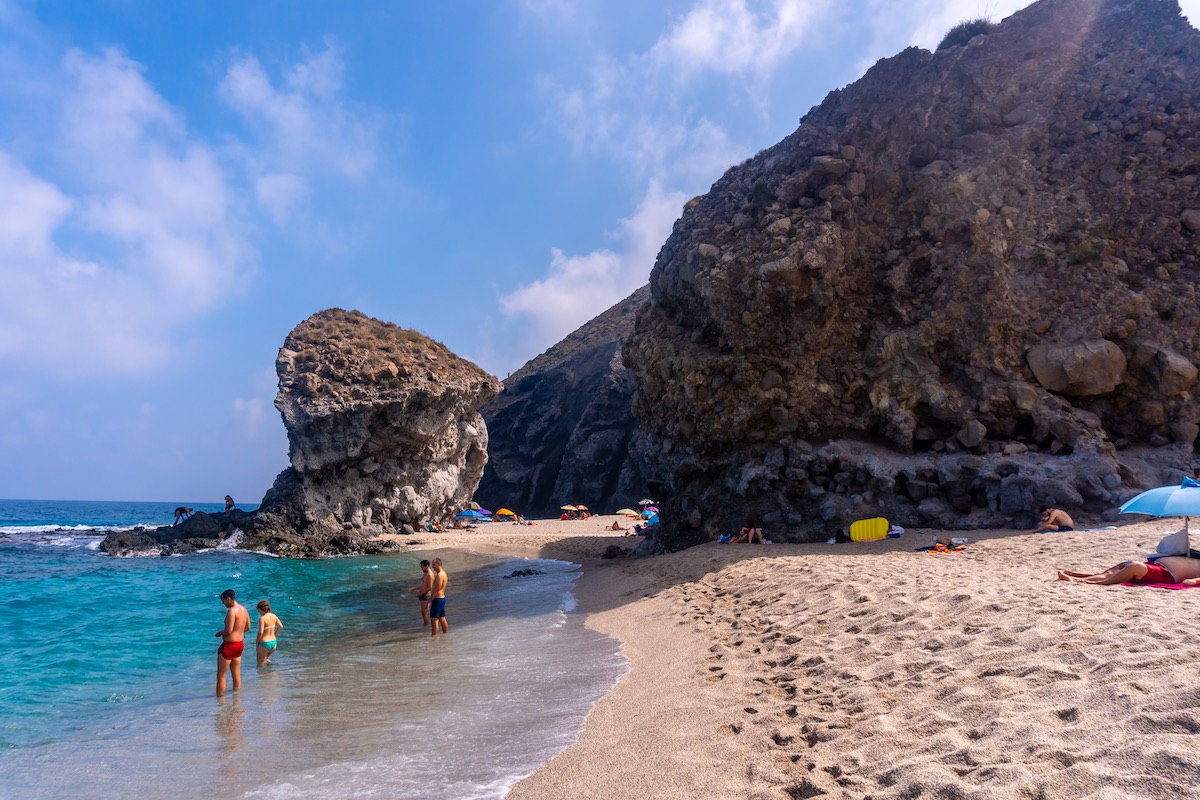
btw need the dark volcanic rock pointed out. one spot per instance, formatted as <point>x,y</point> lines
<point>563,430</point>
<point>383,432</point>
<point>198,532</point>
<point>966,284</point>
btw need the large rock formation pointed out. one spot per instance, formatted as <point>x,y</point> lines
<point>563,430</point>
<point>966,284</point>
<point>383,432</point>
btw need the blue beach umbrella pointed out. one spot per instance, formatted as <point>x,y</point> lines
<point>1167,501</point>
<point>472,513</point>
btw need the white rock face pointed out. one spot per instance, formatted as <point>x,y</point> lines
<point>383,431</point>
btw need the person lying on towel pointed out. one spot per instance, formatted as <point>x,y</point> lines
<point>1179,570</point>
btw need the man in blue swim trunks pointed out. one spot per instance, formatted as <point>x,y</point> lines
<point>437,594</point>
<point>1054,520</point>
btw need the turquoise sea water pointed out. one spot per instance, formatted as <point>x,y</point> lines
<point>107,674</point>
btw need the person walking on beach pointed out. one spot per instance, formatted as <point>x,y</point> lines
<point>268,626</point>
<point>437,593</point>
<point>233,637</point>
<point>422,589</point>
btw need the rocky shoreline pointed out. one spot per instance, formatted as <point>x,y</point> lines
<point>239,529</point>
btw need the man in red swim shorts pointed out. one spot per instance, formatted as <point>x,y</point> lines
<point>233,636</point>
<point>1168,569</point>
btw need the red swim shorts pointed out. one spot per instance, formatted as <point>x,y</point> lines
<point>1156,574</point>
<point>231,650</point>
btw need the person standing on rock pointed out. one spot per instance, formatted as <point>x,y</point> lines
<point>228,504</point>
<point>422,589</point>
<point>233,638</point>
<point>437,593</point>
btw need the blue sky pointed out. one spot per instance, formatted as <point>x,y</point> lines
<point>182,183</point>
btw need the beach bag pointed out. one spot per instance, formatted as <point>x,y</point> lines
<point>1174,544</point>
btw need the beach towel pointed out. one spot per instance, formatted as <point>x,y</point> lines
<point>1161,585</point>
<point>940,548</point>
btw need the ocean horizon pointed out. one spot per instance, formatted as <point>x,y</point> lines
<point>107,687</point>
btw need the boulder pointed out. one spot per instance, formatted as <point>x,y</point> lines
<point>1080,368</point>
<point>383,431</point>
<point>1011,275</point>
<point>1175,373</point>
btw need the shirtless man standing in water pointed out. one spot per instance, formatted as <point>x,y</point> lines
<point>437,605</point>
<point>233,636</point>
<point>421,590</point>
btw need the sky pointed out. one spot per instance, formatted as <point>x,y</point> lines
<point>182,183</point>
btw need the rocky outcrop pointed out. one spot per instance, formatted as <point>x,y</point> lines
<point>383,432</point>
<point>198,532</point>
<point>965,285</point>
<point>563,430</point>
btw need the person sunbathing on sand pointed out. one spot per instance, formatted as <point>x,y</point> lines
<point>1168,569</point>
<point>748,534</point>
<point>616,526</point>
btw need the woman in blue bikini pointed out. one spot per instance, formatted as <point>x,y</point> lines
<point>268,626</point>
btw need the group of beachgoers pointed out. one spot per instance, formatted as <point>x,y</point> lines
<point>1180,570</point>
<point>431,592</point>
<point>1167,570</point>
<point>749,534</point>
<point>183,512</point>
<point>233,638</point>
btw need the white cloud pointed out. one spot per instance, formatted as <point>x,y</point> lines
<point>147,203</point>
<point>303,129</point>
<point>579,287</point>
<point>730,37</point>
<point>280,193</point>
<point>639,110</point>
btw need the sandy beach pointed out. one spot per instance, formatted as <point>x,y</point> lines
<point>872,670</point>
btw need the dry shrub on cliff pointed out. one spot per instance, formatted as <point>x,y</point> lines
<point>965,31</point>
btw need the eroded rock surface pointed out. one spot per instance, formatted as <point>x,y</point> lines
<point>563,430</point>
<point>965,285</point>
<point>383,432</point>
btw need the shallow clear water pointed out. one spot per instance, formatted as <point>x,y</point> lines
<point>106,680</point>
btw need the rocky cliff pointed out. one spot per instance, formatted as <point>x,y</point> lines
<point>383,432</point>
<point>964,285</point>
<point>563,431</point>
